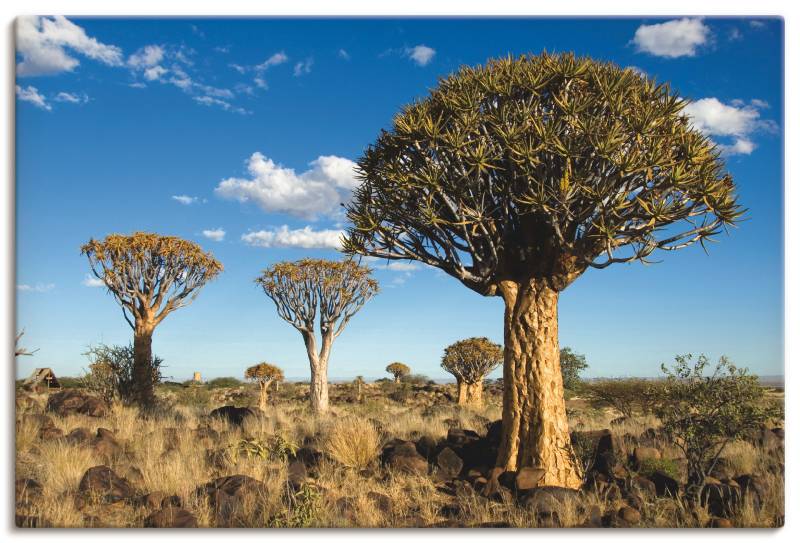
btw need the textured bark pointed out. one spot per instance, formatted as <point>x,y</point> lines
<point>143,367</point>
<point>535,427</point>
<point>474,394</point>
<point>262,401</point>
<point>461,391</point>
<point>319,371</point>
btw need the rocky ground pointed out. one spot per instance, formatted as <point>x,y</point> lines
<point>389,456</point>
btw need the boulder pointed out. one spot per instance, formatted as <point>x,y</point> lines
<point>232,414</point>
<point>664,484</point>
<point>753,488</point>
<point>460,436</point>
<point>226,497</point>
<point>296,474</point>
<point>528,478</point>
<point>641,455</point>
<point>629,516</point>
<point>71,402</point>
<point>721,499</point>
<point>50,433</point>
<point>403,456</point>
<point>170,517</point>
<point>102,484</point>
<point>153,500</point>
<point>79,436</point>
<point>104,444</point>
<point>449,464</point>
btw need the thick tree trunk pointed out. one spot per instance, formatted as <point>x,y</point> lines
<point>461,389</point>
<point>474,394</point>
<point>262,401</point>
<point>143,393</point>
<point>319,371</point>
<point>535,428</point>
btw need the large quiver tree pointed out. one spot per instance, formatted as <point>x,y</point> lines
<point>398,370</point>
<point>264,374</point>
<point>308,288</point>
<point>150,276</point>
<point>470,361</point>
<point>517,176</point>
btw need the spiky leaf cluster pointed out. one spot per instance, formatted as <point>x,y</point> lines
<point>150,275</point>
<point>334,289</point>
<point>398,369</point>
<point>470,360</point>
<point>264,373</point>
<point>539,166</point>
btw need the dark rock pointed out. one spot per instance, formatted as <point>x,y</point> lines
<point>629,515</point>
<point>104,444</point>
<point>779,432</point>
<point>609,451</point>
<point>460,436</point>
<point>170,517</point>
<point>665,485</point>
<point>226,496</point>
<point>403,456</point>
<point>102,484</point>
<point>172,501</point>
<point>722,500</point>
<point>720,523</point>
<point>78,436</point>
<point>528,478</point>
<point>309,456</point>
<point>426,446</point>
<point>232,414</point>
<point>50,433</point>
<point>296,474</point>
<point>153,500</point>
<point>381,501</point>
<point>71,401</point>
<point>548,499</point>
<point>494,431</point>
<point>449,463</point>
<point>646,485</point>
<point>753,488</point>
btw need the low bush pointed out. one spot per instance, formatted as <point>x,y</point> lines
<point>224,382</point>
<point>625,395</point>
<point>649,466</point>
<point>353,442</point>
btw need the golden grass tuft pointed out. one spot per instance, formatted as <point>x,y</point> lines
<point>353,442</point>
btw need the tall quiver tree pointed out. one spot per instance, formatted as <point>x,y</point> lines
<point>150,276</point>
<point>470,361</point>
<point>308,288</point>
<point>517,176</point>
<point>264,374</point>
<point>398,370</point>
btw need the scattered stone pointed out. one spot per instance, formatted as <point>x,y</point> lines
<point>528,478</point>
<point>50,433</point>
<point>403,456</point>
<point>665,485</point>
<point>232,414</point>
<point>460,436</point>
<point>296,474</point>
<point>79,436</point>
<point>170,517</point>
<point>449,464</point>
<point>721,499</point>
<point>381,501</point>
<point>70,402</point>
<point>753,488</point>
<point>629,515</point>
<point>101,483</point>
<point>154,499</point>
<point>426,446</point>
<point>642,455</point>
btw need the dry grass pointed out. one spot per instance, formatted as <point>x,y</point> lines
<point>353,442</point>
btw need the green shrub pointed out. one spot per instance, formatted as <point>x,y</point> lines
<point>110,373</point>
<point>224,382</point>
<point>703,412</point>
<point>572,364</point>
<point>649,466</point>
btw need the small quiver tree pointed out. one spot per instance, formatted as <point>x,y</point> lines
<point>310,288</point>
<point>517,176</point>
<point>150,276</point>
<point>359,384</point>
<point>264,374</point>
<point>470,361</point>
<point>398,370</point>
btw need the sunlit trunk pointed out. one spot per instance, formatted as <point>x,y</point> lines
<point>143,393</point>
<point>535,428</point>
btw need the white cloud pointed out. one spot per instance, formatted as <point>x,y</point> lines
<point>45,44</point>
<point>217,234</point>
<point>734,121</point>
<point>303,67</point>
<point>71,98</point>
<point>31,94</point>
<point>305,238</point>
<point>316,191</point>
<point>343,54</point>
<point>186,200</point>
<point>147,56</point>
<point>672,39</point>
<point>91,281</point>
<point>38,287</point>
<point>155,72</point>
<point>274,60</point>
<point>421,54</point>
<point>225,105</point>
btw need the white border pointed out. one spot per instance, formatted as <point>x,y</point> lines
<point>12,8</point>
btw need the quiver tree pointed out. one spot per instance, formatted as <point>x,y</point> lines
<point>398,370</point>
<point>470,361</point>
<point>517,176</point>
<point>264,374</point>
<point>310,288</point>
<point>150,276</point>
<point>359,383</point>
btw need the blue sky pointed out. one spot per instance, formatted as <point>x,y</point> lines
<point>239,135</point>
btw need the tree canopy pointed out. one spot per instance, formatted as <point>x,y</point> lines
<point>572,364</point>
<point>539,166</point>
<point>264,373</point>
<point>470,360</point>
<point>398,369</point>
<point>150,275</point>
<point>335,289</point>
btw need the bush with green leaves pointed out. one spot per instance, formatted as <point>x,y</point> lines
<point>572,364</point>
<point>111,374</point>
<point>628,396</point>
<point>702,411</point>
<point>224,382</point>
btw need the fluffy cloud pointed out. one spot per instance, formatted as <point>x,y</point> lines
<point>672,39</point>
<point>91,281</point>
<point>38,287</point>
<point>303,67</point>
<point>317,191</point>
<point>147,56</point>
<point>31,94</point>
<point>71,98</point>
<point>736,122</point>
<point>217,234</point>
<point>274,60</point>
<point>45,44</point>
<point>421,54</point>
<point>186,200</point>
<point>305,238</point>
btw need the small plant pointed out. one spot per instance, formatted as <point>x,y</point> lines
<point>280,449</point>
<point>111,372</point>
<point>224,382</point>
<point>702,413</point>
<point>585,450</point>
<point>625,395</point>
<point>303,510</point>
<point>398,370</point>
<point>251,448</point>
<point>649,466</point>
<point>353,442</point>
